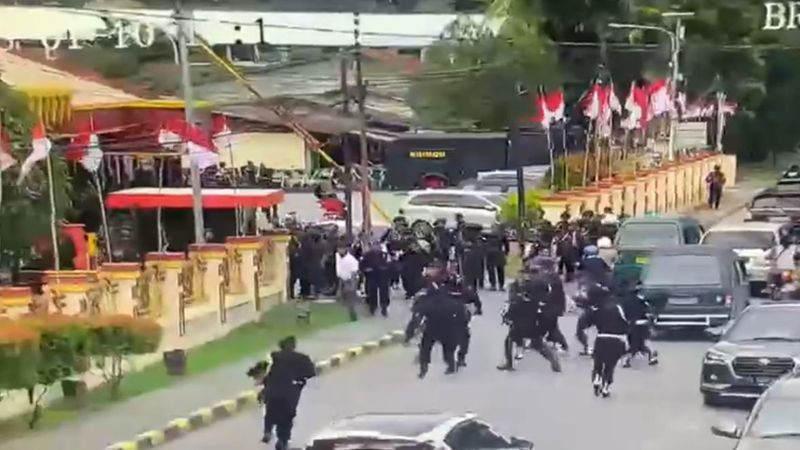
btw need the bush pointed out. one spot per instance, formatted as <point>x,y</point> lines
<point>533,210</point>
<point>19,356</point>
<point>114,338</point>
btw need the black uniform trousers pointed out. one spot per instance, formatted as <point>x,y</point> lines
<point>552,331</point>
<point>496,266</point>
<point>377,287</point>
<point>637,339</point>
<point>279,415</point>
<point>607,352</point>
<point>580,329</point>
<point>429,339</point>
<point>517,335</point>
<point>462,343</point>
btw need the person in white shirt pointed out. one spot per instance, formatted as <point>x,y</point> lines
<point>347,273</point>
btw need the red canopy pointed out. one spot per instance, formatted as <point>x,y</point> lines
<point>148,198</point>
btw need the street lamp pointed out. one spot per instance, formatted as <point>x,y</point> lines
<point>675,38</point>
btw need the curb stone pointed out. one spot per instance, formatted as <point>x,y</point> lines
<point>224,409</point>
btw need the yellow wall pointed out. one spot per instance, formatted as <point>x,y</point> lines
<point>275,150</point>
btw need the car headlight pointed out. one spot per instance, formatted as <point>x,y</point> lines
<point>717,357</point>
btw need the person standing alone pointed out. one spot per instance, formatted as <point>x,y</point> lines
<point>715,181</point>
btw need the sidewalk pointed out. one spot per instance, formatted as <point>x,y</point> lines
<point>733,199</point>
<point>122,421</point>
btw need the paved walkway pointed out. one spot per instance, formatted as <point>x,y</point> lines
<point>124,420</point>
<point>734,198</point>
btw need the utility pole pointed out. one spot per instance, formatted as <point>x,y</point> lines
<point>188,100</point>
<point>366,223</point>
<point>676,38</point>
<point>720,120</point>
<point>348,166</point>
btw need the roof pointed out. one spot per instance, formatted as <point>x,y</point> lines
<point>699,250</point>
<point>402,425</point>
<point>24,73</point>
<point>149,198</point>
<point>458,135</point>
<point>782,191</point>
<point>660,219</point>
<point>449,192</point>
<point>786,388</point>
<point>748,226</point>
<point>220,26</point>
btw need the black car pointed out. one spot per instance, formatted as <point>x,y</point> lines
<point>779,203</point>
<point>756,349</point>
<point>774,422</point>
<point>694,286</point>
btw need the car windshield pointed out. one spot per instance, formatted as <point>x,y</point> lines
<point>766,324</point>
<point>649,235</point>
<point>740,239</point>
<point>777,418</point>
<point>683,270</point>
<point>495,199</point>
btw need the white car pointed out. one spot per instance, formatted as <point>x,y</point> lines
<point>477,207</point>
<point>757,242</point>
<point>413,431</point>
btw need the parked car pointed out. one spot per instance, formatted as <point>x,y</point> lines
<point>637,237</point>
<point>753,351</point>
<point>413,431</point>
<point>478,207</point>
<point>777,204</point>
<point>773,423</point>
<point>755,242</point>
<point>694,286</point>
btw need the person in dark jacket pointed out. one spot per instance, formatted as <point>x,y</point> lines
<point>497,249</point>
<point>594,268</point>
<point>458,290</point>
<point>472,260</point>
<point>376,269</point>
<point>295,266</point>
<point>412,264</point>
<point>288,374</point>
<point>440,316</point>
<point>556,304</point>
<point>637,310</point>
<point>609,346</point>
<point>444,239</point>
<point>568,246</point>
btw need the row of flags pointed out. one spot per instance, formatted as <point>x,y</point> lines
<point>644,102</point>
<point>201,147</point>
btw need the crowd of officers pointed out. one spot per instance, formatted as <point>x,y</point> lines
<point>443,269</point>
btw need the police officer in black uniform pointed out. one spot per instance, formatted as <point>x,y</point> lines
<point>441,317</point>
<point>556,304</point>
<point>609,346</point>
<point>458,290</point>
<point>593,272</point>
<point>523,315</point>
<point>412,263</point>
<point>637,310</point>
<point>473,254</point>
<point>376,267</point>
<point>497,249</point>
<point>443,238</point>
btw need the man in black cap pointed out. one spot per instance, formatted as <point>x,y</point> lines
<point>556,304</point>
<point>497,249</point>
<point>289,372</point>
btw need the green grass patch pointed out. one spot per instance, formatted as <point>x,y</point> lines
<point>513,266</point>
<point>248,341</point>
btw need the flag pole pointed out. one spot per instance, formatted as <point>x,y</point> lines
<point>552,158</point>
<point>566,153</point>
<point>53,228</point>
<point>103,215</point>
<point>159,226</point>
<point>2,121</point>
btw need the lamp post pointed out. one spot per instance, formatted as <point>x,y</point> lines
<point>675,38</point>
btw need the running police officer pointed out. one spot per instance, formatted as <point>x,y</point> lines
<point>637,310</point>
<point>458,290</point>
<point>440,316</point>
<point>497,249</point>
<point>594,272</point>
<point>556,304</point>
<point>609,345</point>
<point>523,315</point>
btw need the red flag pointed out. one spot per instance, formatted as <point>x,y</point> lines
<point>199,145</point>
<point>40,149</point>
<point>6,159</point>
<point>85,147</point>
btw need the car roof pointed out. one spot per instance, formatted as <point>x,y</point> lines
<point>700,250</point>
<point>398,425</point>
<point>476,193</point>
<point>748,226</point>
<point>661,219</point>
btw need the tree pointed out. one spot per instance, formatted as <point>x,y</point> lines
<point>472,77</point>
<point>25,208</point>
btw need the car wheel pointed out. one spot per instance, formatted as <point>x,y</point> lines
<point>711,399</point>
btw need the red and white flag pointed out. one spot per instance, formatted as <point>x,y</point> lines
<point>220,131</point>
<point>40,145</point>
<point>592,103</point>
<point>199,145</point>
<point>85,147</point>
<point>660,98</point>
<point>636,104</point>
<point>6,159</point>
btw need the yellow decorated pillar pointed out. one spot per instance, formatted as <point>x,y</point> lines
<point>118,281</point>
<point>15,301</point>
<point>630,196</point>
<point>169,264</point>
<point>680,186</point>
<point>661,191</point>
<point>553,206</point>
<point>617,195</point>
<point>671,188</point>
<point>280,242</point>
<point>246,247</point>
<point>212,257</point>
<point>729,167</point>
<point>74,291</point>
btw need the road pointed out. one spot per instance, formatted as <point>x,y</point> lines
<point>652,408</point>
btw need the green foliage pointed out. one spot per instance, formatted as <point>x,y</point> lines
<point>19,356</point>
<point>25,212</point>
<point>472,77</point>
<point>533,210</point>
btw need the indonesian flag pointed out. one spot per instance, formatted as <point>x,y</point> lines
<point>660,98</point>
<point>549,107</point>
<point>592,102</point>
<point>636,104</point>
<point>220,131</point>
<point>85,147</point>
<point>41,149</point>
<point>199,146</point>
<point>613,101</point>
<point>6,160</point>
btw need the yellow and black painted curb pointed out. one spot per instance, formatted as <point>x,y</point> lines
<point>245,400</point>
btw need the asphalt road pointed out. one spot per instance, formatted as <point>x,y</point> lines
<point>652,408</point>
